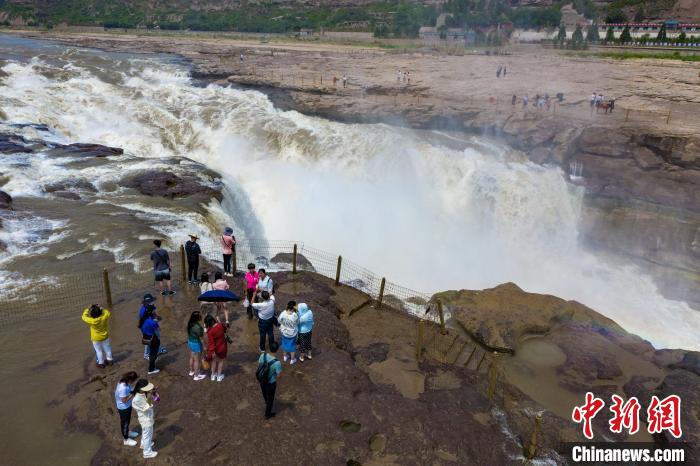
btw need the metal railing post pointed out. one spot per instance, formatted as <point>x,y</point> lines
<point>294,259</point>
<point>493,376</point>
<point>442,317</point>
<point>233,260</point>
<point>419,340</point>
<point>108,289</point>
<point>183,273</point>
<point>381,293</point>
<point>337,270</point>
<point>532,449</point>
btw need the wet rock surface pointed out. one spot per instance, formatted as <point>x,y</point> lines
<point>288,258</point>
<point>686,385</point>
<point>166,184</point>
<point>5,201</point>
<point>329,411</point>
<point>77,184</point>
<point>11,144</point>
<point>84,150</point>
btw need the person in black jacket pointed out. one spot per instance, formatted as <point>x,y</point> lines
<point>192,251</point>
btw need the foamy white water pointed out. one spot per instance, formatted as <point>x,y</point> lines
<point>425,216</point>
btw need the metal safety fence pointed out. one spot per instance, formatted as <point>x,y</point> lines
<point>76,290</point>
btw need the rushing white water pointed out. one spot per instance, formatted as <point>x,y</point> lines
<point>426,216</point>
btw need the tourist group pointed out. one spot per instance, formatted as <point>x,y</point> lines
<point>206,334</point>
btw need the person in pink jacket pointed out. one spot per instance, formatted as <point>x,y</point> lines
<point>228,243</point>
<point>220,283</point>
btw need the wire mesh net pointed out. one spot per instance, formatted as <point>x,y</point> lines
<point>73,291</point>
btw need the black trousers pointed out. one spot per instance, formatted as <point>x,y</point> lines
<point>268,393</point>
<point>227,263</point>
<point>153,349</point>
<point>125,418</point>
<point>250,294</point>
<point>266,329</point>
<point>192,267</point>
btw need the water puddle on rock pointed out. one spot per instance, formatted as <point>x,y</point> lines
<point>533,370</point>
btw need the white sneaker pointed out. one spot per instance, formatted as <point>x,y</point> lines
<point>130,442</point>
<point>220,378</point>
<point>152,454</point>
<point>154,371</point>
<point>199,377</point>
<point>213,377</point>
<point>133,434</point>
<point>293,361</point>
<point>286,358</point>
<point>308,356</point>
<point>191,374</point>
<point>301,358</point>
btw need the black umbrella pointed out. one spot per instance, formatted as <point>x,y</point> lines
<point>218,296</point>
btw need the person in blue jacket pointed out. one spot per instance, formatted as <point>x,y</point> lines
<point>150,331</point>
<point>306,325</point>
<point>148,299</point>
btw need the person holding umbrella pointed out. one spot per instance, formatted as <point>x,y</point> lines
<point>221,285</point>
<point>193,251</point>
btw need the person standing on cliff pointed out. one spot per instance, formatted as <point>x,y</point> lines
<point>525,100</point>
<point>266,319</point>
<point>123,395</point>
<point>251,283</point>
<point>268,371</point>
<point>345,81</point>
<point>98,320</point>
<point>591,101</point>
<point>513,100</point>
<point>161,268</point>
<point>228,243</point>
<point>193,252</point>
<point>143,405</point>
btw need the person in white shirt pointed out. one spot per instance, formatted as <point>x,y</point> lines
<point>289,328</point>
<point>266,318</point>
<point>264,283</point>
<point>143,405</point>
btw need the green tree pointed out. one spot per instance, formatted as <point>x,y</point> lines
<point>640,15</point>
<point>682,38</point>
<point>592,34</point>
<point>577,37</point>
<point>625,37</point>
<point>561,37</point>
<point>609,35</point>
<point>616,16</point>
<point>661,37</point>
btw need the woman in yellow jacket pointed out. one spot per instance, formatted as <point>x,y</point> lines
<point>98,320</point>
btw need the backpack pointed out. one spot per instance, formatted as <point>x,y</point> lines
<point>263,372</point>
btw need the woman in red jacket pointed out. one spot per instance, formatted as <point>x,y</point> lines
<point>217,347</point>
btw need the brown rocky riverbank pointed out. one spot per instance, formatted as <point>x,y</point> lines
<point>366,400</point>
